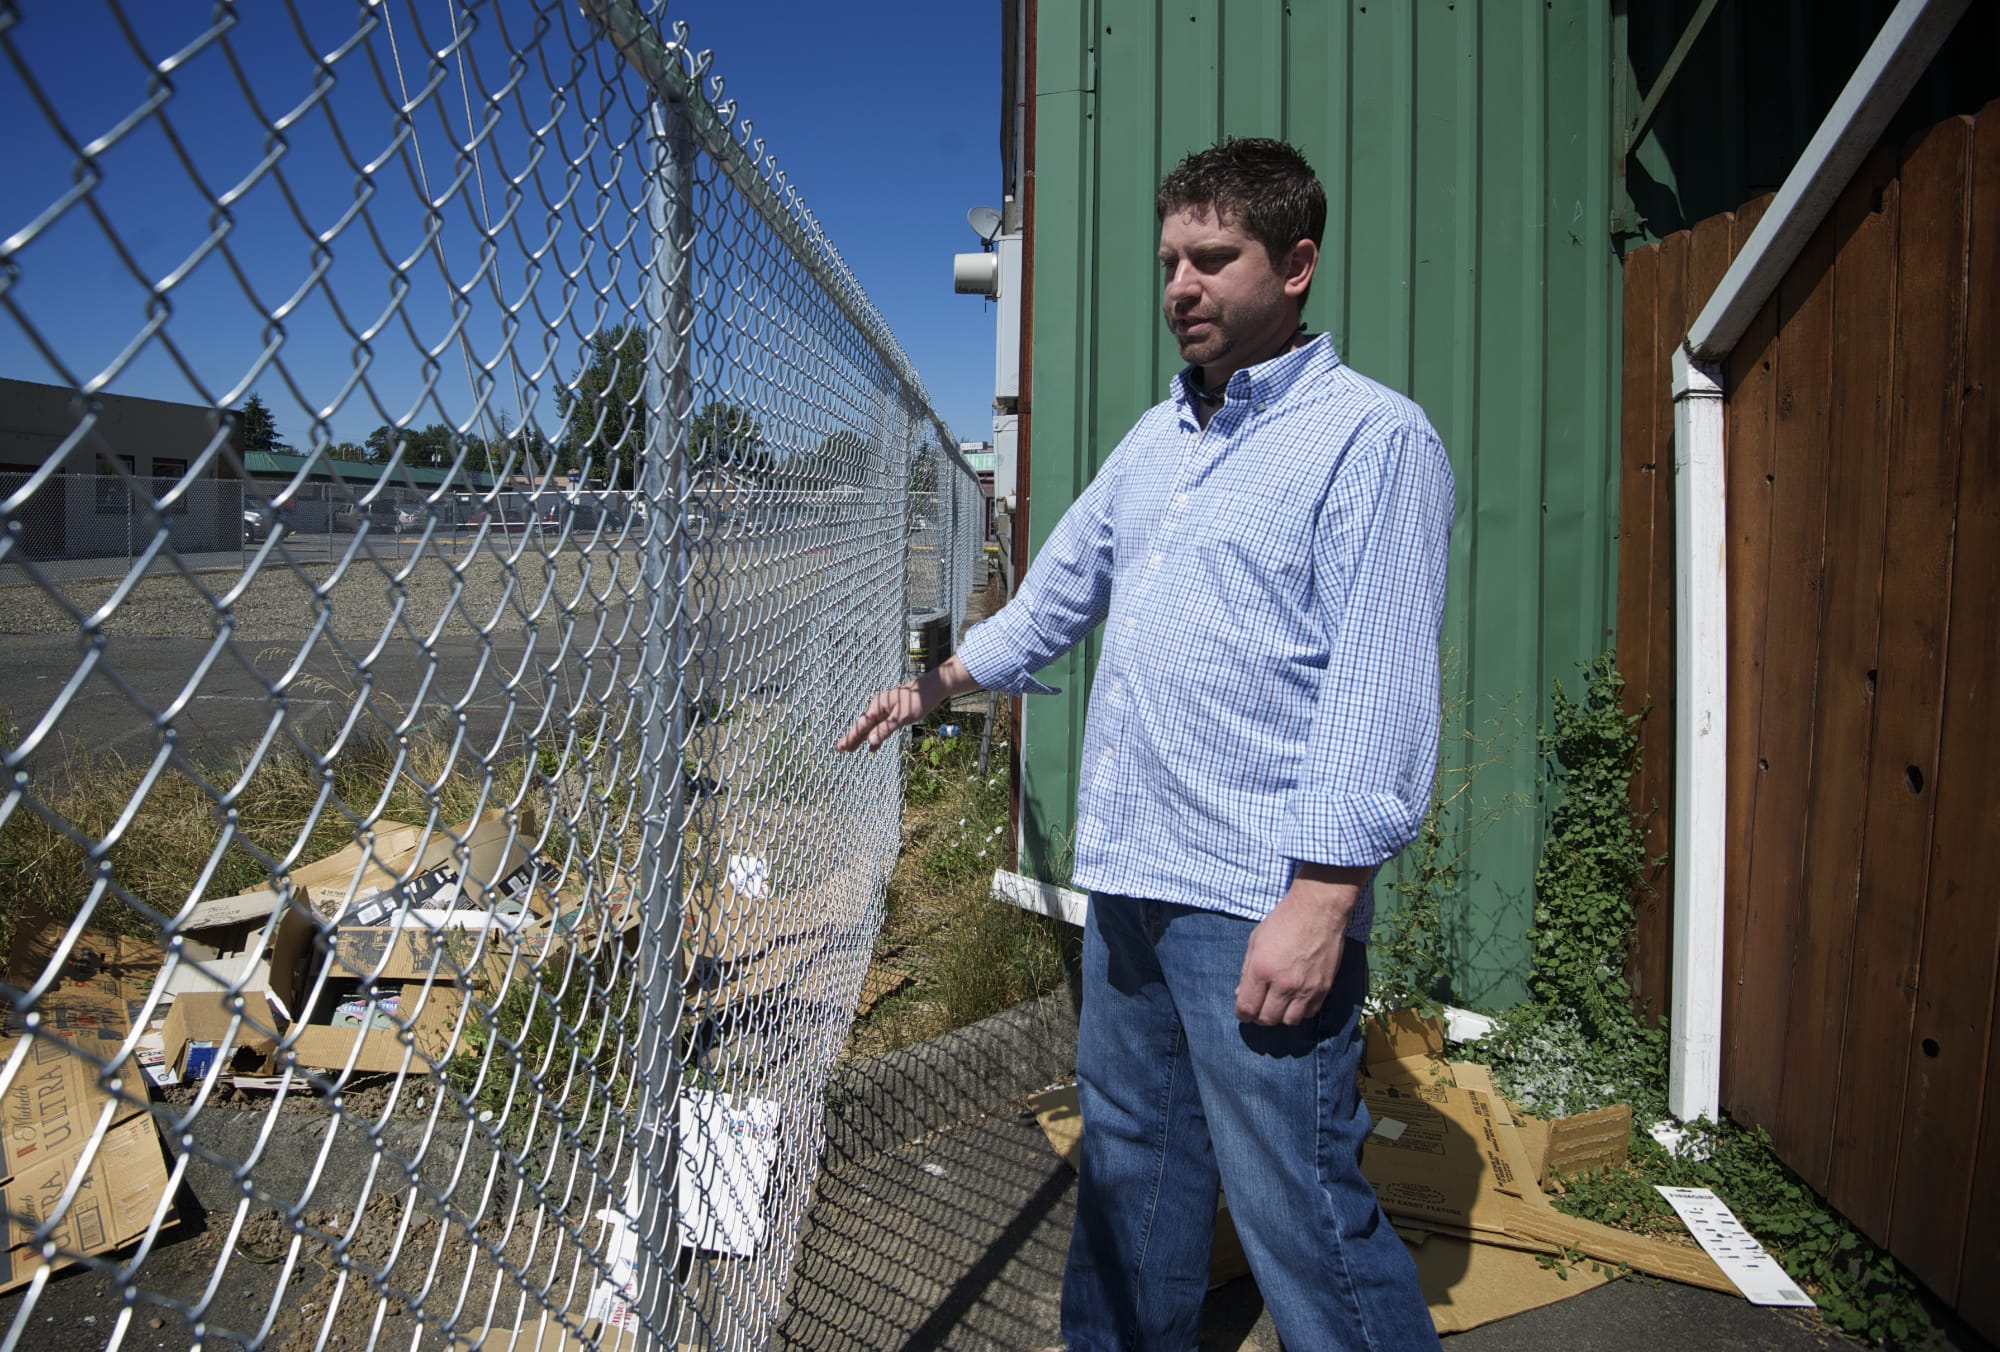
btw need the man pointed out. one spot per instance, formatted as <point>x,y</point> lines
<point>1269,548</point>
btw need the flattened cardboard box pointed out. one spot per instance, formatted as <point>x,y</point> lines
<point>102,982</point>
<point>113,1204</point>
<point>740,947</point>
<point>369,870</point>
<point>54,1098</point>
<point>1467,1284</point>
<point>52,1104</point>
<point>496,883</point>
<point>1456,1170</point>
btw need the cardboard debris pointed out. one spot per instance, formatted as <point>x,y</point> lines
<point>1594,1140</point>
<point>365,867</point>
<point>1458,1176</point>
<point>743,945</point>
<point>200,1031</point>
<point>124,1184</point>
<point>52,1103</point>
<point>52,1090</point>
<point>880,983</point>
<point>1400,1035</point>
<point>1467,1284</point>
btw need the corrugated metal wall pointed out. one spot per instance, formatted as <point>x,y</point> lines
<point>1466,151</point>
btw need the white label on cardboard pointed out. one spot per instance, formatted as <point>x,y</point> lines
<point>1741,1258</point>
<point>1389,1129</point>
<point>152,1058</point>
<point>436,919</point>
<point>727,1150</point>
<point>611,1301</point>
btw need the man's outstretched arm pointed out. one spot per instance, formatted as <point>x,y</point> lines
<point>896,708</point>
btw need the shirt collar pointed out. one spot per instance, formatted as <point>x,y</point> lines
<point>1265,382</point>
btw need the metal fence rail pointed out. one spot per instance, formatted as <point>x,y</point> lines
<point>433,907</point>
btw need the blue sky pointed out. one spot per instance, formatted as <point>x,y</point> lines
<point>883,114</point>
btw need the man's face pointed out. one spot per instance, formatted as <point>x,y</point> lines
<point>1227,304</point>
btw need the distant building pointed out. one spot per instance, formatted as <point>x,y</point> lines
<point>153,438</point>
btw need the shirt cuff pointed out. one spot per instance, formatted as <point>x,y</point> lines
<point>1347,830</point>
<point>993,659</point>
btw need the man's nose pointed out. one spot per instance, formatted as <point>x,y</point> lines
<point>1181,284</point>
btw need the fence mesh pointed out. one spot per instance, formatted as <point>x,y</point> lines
<point>434,907</point>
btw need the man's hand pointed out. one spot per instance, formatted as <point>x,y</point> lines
<point>1294,953</point>
<point>896,708</point>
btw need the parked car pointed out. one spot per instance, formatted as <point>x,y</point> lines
<point>382,516</point>
<point>262,519</point>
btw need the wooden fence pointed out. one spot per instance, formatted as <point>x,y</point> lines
<point>1863,478</point>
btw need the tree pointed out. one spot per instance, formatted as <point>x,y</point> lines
<point>924,469</point>
<point>727,436</point>
<point>604,408</point>
<point>259,428</point>
<point>429,446</point>
<point>347,450</point>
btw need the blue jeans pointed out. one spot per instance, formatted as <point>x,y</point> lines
<point>1178,1095</point>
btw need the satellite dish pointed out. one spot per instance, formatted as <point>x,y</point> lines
<point>985,223</point>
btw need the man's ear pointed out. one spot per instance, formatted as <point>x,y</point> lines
<point>1300,264</point>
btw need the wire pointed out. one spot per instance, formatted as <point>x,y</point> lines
<point>424,180</point>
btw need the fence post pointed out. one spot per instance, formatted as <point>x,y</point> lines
<point>663,483</point>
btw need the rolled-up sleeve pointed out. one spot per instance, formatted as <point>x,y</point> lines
<point>1064,596</point>
<point>1380,554</point>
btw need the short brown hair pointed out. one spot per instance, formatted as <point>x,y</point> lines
<point>1261,184</point>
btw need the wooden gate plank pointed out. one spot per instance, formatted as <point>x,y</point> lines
<point>1793,488</point>
<point>1979,1301</point>
<point>1857,434</point>
<point>1638,469</point>
<point>1748,385</point>
<point>1896,841</point>
<point>1955,974</point>
<point>1655,909</point>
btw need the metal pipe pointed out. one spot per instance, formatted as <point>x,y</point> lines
<point>664,489</point>
<point>1701,738</point>
<point>1896,59</point>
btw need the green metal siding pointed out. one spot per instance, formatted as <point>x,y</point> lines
<point>1465,147</point>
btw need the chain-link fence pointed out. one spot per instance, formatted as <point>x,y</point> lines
<point>433,906</point>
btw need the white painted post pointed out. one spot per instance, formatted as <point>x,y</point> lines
<point>1701,739</point>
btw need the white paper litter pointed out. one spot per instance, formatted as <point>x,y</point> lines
<point>727,1150</point>
<point>1741,1258</point>
<point>750,876</point>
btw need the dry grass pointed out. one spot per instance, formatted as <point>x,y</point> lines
<point>179,843</point>
<point>967,955</point>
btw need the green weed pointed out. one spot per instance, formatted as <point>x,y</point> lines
<point>1579,1043</point>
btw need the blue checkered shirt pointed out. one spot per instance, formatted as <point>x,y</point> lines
<point>1272,590</point>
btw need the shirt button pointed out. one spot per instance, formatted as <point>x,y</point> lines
<point>1155,562</point>
<point>1128,626</point>
<point>1180,499</point>
<point>1118,687</point>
